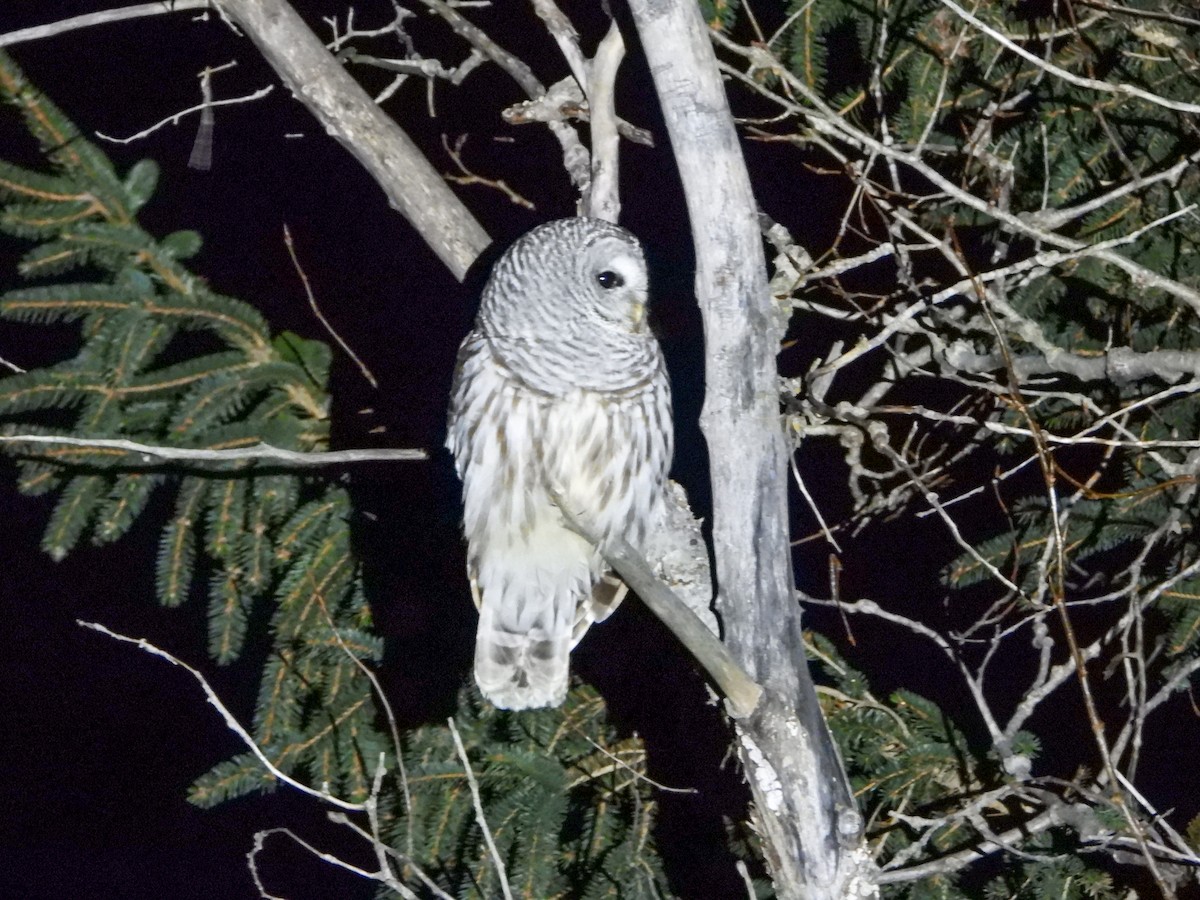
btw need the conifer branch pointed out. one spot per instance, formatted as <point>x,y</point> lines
<point>393,729</point>
<point>273,537</point>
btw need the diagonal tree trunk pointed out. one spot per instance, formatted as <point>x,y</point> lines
<point>413,186</point>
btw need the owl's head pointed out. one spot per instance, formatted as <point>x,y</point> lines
<point>569,276</point>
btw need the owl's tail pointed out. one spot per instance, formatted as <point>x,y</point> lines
<point>522,671</point>
<point>529,594</point>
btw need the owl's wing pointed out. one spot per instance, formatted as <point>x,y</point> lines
<point>605,597</point>
<point>526,569</point>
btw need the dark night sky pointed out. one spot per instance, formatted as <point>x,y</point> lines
<point>101,742</point>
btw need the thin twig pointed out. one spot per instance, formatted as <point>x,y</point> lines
<point>829,124</point>
<point>1142,13</point>
<point>264,452</point>
<point>1058,582</point>
<point>469,177</point>
<point>575,156</point>
<point>479,816</point>
<point>393,727</point>
<point>621,764</point>
<point>230,721</point>
<point>102,17</point>
<point>812,504</point>
<point>260,838</point>
<point>204,108</point>
<point>312,302</point>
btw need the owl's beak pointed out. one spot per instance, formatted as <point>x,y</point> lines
<point>637,315</point>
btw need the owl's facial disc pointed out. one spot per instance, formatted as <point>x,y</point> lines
<point>618,282</point>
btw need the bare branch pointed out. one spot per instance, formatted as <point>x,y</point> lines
<point>231,722</point>
<point>604,201</point>
<point>828,124</point>
<point>262,452</point>
<point>175,118</point>
<point>575,157</point>
<point>739,689</point>
<point>1127,90</point>
<point>804,810</point>
<point>480,819</point>
<point>469,177</point>
<point>260,839</point>
<point>412,185</point>
<point>622,765</point>
<point>564,100</point>
<point>101,17</point>
<point>566,37</point>
<point>312,303</point>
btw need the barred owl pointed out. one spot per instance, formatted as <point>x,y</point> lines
<point>559,391</point>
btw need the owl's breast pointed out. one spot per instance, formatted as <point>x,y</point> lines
<point>606,452</point>
<point>609,455</point>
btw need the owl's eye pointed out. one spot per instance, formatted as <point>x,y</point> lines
<point>609,280</point>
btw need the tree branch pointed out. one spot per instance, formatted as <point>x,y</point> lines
<point>575,157</point>
<point>1127,90</point>
<point>230,721</point>
<point>479,816</point>
<point>175,118</point>
<point>265,452</point>
<point>805,811</point>
<point>604,200</point>
<point>102,17</point>
<point>412,185</point>
<point>739,688</point>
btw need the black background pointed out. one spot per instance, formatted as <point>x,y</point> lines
<point>100,742</point>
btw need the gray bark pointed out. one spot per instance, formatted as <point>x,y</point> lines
<point>348,113</point>
<point>1120,364</point>
<point>804,808</point>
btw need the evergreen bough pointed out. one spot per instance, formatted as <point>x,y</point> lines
<point>567,799</point>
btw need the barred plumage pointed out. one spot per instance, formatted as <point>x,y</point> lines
<point>559,389</point>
